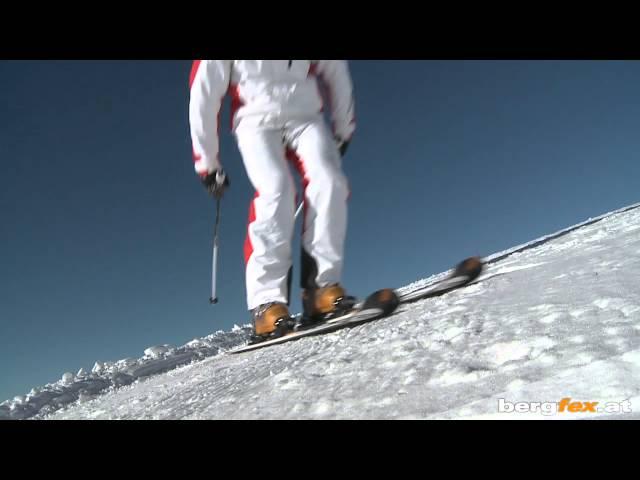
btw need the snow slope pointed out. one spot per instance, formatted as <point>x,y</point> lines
<point>553,319</point>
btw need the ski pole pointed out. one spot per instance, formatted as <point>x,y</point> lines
<point>214,267</point>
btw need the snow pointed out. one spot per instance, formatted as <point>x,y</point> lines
<point>109,376</point>
<point>554,320</point>
<point>157,351</point>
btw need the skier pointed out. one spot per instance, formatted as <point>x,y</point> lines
<point>277,120</point>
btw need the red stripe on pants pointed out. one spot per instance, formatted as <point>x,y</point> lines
<point>248,246</point>
<point>297,162</point>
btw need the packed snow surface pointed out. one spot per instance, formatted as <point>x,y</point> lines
<point>550,331</point>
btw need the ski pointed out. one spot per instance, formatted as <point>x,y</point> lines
<point>464,273</point>
<point>380,304</point>
<point>324,327</point>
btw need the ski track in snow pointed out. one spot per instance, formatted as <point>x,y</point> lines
<point>560,319</point>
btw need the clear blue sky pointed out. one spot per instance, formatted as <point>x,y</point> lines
<point>106,231</point>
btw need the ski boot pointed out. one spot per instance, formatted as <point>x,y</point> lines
<point>325,303</point>
<point>271,320</point>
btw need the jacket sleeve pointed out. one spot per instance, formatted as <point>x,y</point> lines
<point>337,80</point>
<point>209,82</point>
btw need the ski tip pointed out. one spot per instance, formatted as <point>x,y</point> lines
<point>471,267</point>
<point>386,300</point>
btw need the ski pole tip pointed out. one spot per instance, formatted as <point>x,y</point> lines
<point>213,301</point>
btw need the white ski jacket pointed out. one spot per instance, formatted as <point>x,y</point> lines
<point>264,93</point>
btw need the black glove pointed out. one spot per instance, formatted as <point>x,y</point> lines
<point>343,145</point>
<point>216,183</point>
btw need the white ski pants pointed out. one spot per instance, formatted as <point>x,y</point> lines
<point>267,154</point>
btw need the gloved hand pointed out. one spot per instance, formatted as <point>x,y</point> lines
<point>216,183</point>
<point>343,145</point>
